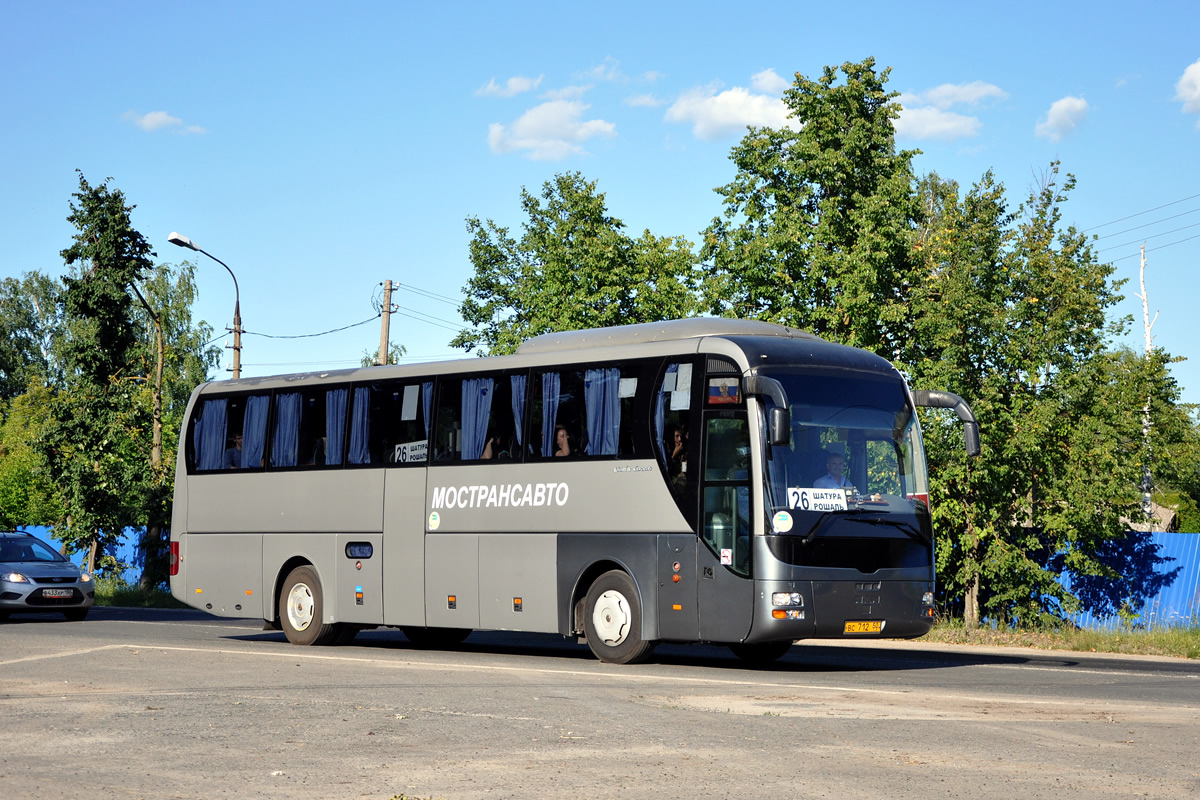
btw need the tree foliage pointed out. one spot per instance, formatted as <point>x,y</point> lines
<point>817,221</point>
<point>130,356</point>
<point>1013,315</point>
<point>573,267</point>
<point>30,320</point>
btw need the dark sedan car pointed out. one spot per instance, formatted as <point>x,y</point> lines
<point>35,578</point>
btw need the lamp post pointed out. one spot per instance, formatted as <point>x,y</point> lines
<point>183,241</point>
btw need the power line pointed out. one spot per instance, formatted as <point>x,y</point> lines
<point>1140,213</point>
<point>1160,247</point>
<point>311,335</point>
<point>1148,224</point>
<point>1138,241</point>
<point>432,295</point>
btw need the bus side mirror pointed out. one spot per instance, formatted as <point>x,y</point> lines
<point>971,438</point>
<point>779,427</point>
<point>932,398</point>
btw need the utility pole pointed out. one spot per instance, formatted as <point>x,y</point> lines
<point>382,358</point>
<point>237,338</point>
<point>1147,324</point>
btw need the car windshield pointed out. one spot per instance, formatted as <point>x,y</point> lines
<point>18,549</point>
<point>854,450</point>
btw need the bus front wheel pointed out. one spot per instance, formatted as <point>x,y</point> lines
<point>301,608</point>
<point>612,620</point>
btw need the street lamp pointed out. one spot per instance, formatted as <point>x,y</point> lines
<point>183,241</point>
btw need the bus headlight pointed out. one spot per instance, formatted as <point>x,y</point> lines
<point>927,599</point>
<point>787,599</point>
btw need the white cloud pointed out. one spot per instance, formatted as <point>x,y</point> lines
<point>643,101</point>
<point>1062,118</point>
<point>513,86</point>
<point>1187,90</point>
<point>549,132</point>
<point>714,114</point>
<point>650,76</point>
<point>934,123</point>
<point>949,95</point>
<point>609,70</point>
<point>769,82</point>
<point>567,93</point>
<point>160,120</point>
<point>927,115</point>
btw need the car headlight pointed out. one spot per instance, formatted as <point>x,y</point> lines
<point>13,577</point>
<point>84,577</point>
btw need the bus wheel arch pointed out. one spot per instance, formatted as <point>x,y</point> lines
<point>612,619</point>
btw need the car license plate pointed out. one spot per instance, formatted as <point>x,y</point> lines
<point>58,592</point>
<point>867,626</point>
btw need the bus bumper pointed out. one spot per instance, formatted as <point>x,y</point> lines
<point>851,609</point>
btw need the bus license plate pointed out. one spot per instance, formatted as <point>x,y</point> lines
<point>868,626</point>
<point>57,592</point>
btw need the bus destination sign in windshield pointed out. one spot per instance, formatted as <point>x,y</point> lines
<point>817,499</point>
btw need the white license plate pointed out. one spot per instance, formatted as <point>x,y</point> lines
<point>58,592</point>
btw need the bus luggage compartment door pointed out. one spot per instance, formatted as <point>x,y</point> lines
<point>359,578</point>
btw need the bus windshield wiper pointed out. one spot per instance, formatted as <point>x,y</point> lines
<point>912,530</point>
<point>826,515</point>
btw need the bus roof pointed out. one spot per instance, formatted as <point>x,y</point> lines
<point>666,331</point>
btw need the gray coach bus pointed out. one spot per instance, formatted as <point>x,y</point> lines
<point>709,480</point>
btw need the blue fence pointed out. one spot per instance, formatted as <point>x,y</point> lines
<point>1177,601</point>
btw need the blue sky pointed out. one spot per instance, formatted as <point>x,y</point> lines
<point>318,152</point>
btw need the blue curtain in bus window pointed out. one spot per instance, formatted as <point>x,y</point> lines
<point>360,427</point>
<point>426,402</point>
<point>208,437</point>
<point>660,406</point>
<point>254,430</point>
<point>518,405</point>
<point>601,394</point>
<point>286,442</point>
<point>550,391</point>
<point>476,409</point>
<point>335,425</point>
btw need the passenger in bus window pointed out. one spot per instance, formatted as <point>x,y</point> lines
<point>677,463</point>
<point>833,478</point>
<point>562,441</point>
<point>233,455</point>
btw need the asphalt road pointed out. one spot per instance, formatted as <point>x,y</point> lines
<point>177,704</point>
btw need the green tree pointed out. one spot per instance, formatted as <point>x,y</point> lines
<point>1012,314</point>
<point>573,267</point>
<point>30,320</point>
<point>27,494</point>
<point>817,226</point>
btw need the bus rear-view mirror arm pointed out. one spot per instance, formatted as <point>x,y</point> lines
<point>934,398</point>
<point>779,421</point>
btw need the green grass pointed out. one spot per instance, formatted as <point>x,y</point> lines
<point>1180,641</point>
<point>116,592</point>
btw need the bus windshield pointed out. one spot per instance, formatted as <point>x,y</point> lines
<point>855,449</point>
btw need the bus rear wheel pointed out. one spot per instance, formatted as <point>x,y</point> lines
<point>612,620</point>
<point>761,652</point>
<point>302,607</point>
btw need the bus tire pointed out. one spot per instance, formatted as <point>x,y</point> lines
<point>761,652</point>
<point>302,607</point>
<point>435,637</point>
<point>612,620</point>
